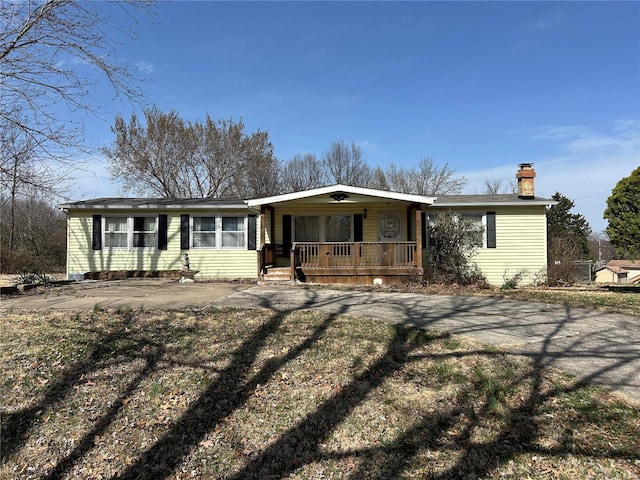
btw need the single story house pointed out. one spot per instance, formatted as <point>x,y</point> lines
<point>619,271</point>
<point>334,234</point>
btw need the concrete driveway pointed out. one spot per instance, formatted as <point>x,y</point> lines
<point>601,348</point>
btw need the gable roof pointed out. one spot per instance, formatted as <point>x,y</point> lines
<point>354,194</point>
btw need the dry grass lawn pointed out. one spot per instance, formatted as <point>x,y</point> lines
<point>236,394</point>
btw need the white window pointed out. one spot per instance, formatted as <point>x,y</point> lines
<point>130,232</point>
<point>323,228</point>
<point>116,231</point>
<point>204,232</point>
<point>233,232</point>
<point>477,219</point>
<point>144,232</point>
<point>229,232</point>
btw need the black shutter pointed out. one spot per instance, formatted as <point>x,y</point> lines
<point>425,226</point>
<point>286,234</point>
<point>162,232</point>
<point>96,243</point>
<point>251,233</point>
<point>491,229</point>
<point>357,227</point>
<point>184,232</point>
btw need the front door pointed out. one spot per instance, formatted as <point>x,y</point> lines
<point>390,227</point>
<point>389,230</point>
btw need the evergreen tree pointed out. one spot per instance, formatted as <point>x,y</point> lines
<point>563,224</point>
<point>623,213</point>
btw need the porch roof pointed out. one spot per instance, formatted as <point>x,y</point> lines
<point>351,195</point>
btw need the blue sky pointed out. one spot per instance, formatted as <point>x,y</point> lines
<point>481,86</point>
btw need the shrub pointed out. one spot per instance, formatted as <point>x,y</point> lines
<point>453,241</point>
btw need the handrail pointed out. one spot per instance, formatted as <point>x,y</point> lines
<point>267,257</point>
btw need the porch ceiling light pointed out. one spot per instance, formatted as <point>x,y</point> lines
<point>339,196</point>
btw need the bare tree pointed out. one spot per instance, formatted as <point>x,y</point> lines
<point>21,178</point>
<point>427,179</point>
<point>303,172</point>
<point>166,156</point>
<point>496,186</point>
<point>45,46</point>
<point>431,179</point>
<point>32,233</point>
<point>345,165</point>
<point>258,172</point>
<point>379,179</point>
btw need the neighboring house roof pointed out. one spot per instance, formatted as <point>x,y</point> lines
<point>487,200</point>
<point>155,203</point>
<point>354,194</point>
<point>627,264</point>
<point>622,267</point>
<point>616,269</point>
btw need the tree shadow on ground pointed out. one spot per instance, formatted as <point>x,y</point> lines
<point>233,387</point>
<point>302,444</point>
<point>120,343</point>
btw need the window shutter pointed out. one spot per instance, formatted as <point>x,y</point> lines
<point>184,232</point>
<point>286,234</point>
<point>251,232</point>
<point>491,229</point>
<point>424,229</point>
<point>357,227</point>
<point>162,232</point>
<point>97,233</point>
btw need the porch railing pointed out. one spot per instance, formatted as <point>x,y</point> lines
<point>313,255</point>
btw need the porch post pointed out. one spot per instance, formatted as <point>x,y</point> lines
<point>419,239</point>
<point>261,252</point>
<point>272,221</point>
<point>262,226</point>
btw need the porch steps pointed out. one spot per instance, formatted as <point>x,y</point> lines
<point>277,274</point>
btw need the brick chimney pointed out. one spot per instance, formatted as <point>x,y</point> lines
<point>525,177</point>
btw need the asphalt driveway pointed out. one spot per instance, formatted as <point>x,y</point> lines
<point>597,347</point>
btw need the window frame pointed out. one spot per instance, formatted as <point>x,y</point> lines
<point>244,231</point>
<point>219,232</point>
<point>457,215</point>
<point>130,232</point>
<point>483,224</point>
<point>192,231</point>
<point>322,227</point>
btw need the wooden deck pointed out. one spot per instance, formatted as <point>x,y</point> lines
<point>349,262</point>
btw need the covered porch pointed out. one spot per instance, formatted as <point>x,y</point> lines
<point>341,234</point>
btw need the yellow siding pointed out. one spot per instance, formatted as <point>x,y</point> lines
<point>520,239</point>
<point>521,246</point>
<point>212,263</point>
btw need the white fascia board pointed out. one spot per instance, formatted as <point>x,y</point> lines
<point>369,192</point>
